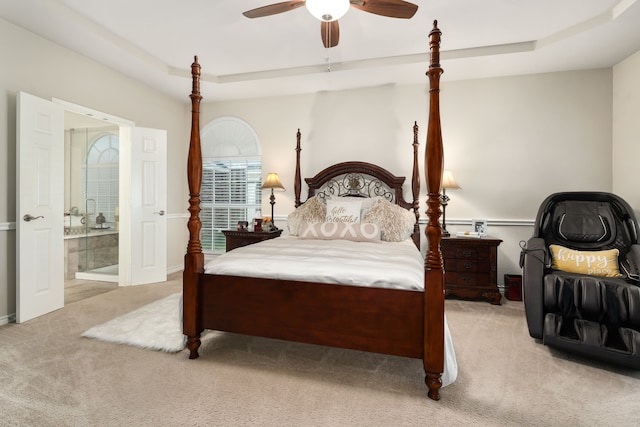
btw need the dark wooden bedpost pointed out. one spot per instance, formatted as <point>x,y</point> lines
<point>194,258</point>
<point>297,184</point>
<point>434,271</point>
<point>415,186</point>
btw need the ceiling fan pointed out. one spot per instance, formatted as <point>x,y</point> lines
<point>329,11</point>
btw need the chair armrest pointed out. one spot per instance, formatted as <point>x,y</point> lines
<point>534,256</point>
<point>633,262</point>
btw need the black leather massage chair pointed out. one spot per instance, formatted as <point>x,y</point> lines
<point>575,296</point>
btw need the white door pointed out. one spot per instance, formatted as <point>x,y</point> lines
<point>148,206</point>
<point>39,210</point>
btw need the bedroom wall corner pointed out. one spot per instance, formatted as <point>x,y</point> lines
<point>626,130</point>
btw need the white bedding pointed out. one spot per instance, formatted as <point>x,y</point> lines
<point>383,264</point>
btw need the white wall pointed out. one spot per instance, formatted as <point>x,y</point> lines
<point>626,130</point>
<point>509,141</point>
<point>35,65</point>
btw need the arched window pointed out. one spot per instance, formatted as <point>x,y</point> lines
<point>103,176</point>
<point>231,179</point>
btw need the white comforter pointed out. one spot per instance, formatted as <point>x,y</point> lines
<point>385,264</point>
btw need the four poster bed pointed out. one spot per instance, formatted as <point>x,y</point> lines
<point>296,302</point>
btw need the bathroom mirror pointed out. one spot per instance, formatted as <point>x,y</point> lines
<point>91,199</point>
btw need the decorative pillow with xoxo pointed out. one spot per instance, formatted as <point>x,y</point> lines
<point>359,232</point>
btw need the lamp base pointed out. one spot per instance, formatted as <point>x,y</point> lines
<point>445,233</point>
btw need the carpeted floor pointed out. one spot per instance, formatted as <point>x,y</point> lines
<point>51,376</point>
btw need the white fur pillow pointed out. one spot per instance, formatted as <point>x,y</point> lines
<point>396,223</point>
<point>311,211</point>
<point>356,232</point>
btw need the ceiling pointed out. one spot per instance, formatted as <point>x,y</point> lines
<point>154,41</point>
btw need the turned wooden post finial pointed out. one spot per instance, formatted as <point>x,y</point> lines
<point>194,164</point>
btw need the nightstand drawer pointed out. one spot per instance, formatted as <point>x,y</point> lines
<point>470,279</point>
<point>482,253</point>
<point>470,266</point>
<point>466,253</point>
<point>467,265</point>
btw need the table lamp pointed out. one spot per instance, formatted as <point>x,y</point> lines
<point>447,182</point>
<point>272,182</point>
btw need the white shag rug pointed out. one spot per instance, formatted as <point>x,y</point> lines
<point>156,326</point>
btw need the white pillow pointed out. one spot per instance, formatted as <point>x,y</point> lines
<point>343,210</point>
<point>341,230</point>
<point>311,211</point>
<point>396,223</point>
<point>367,202</point>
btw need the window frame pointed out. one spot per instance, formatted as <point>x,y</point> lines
<point>228,141</point>
<point>102,176</point>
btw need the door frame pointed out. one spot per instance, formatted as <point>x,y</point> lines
<point>125,142</point>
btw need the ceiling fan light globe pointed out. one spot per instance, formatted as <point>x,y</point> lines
<point>327,10</point>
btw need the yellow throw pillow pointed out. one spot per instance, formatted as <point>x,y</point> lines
<point>594,263</point>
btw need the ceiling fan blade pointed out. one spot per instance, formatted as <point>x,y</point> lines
<point>330,32</point>
<point>391,8</point>
<point>273,9</point>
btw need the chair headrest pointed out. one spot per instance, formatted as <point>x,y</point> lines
<point>583,221</point>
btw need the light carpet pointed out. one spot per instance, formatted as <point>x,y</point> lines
<point>51,376</point>
<point>156,326</point>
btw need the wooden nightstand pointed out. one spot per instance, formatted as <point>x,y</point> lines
<point>235,239</point>
<point>470,266</point>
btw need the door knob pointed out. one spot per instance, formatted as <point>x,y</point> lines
<point>29,217</point>
<point>159,213</point>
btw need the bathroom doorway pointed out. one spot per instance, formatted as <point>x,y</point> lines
<point>142,233</point>
<point>91,206</point>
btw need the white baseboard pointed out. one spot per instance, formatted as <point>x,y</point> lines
<point>175,269</point>
<point>11,318</point>
<point>490,222</point>
<point>6,226</point>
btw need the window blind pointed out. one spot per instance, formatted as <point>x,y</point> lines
<point>101,191</point>
<point>230,193</point>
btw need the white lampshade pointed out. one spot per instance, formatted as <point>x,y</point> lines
<point>448,181</point>
<point>328,10</point>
